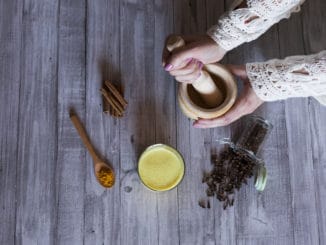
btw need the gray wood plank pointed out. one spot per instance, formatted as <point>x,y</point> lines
<point>102,206</point>
<point>224,221</point>
<point>299,144</point>
<point>266,218</point>
<point>195,223</point>
<point>139,209</point>
<point>37,150</point>
<point>269,214</point>
<point>10,43</point>
<point>71,162</point>
<point>314,34</point>
<point>48,193</point>
<point>317,117</point>
<point>165,121</point>
<point>230,218</point>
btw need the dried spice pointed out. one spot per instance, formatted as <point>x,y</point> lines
<point>106,177</point>
<point>113,101</point>
<point>254,134</point>
<point>202,203</point>
<point>231,169</point>
<point>237,163</point>
<point>116,93</point>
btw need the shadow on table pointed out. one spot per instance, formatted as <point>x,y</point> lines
<point>141,120</point>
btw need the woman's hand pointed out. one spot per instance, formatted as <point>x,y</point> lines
<point>185,63</point>
<point>247,103</point>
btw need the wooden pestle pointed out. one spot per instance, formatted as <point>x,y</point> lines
<point>204,85</point>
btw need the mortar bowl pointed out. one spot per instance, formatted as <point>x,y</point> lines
<point>191,102</point>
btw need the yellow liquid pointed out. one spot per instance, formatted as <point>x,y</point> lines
<point>161,167</point>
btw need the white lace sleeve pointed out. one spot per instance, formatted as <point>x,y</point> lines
<point>295,76</point>
<point>246,24</point>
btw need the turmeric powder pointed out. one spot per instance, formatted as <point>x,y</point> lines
<point>106,177</point>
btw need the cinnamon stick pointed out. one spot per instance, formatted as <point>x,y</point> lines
<point>116,93</point>
<point>106,106</point>
<point>120,90</point>
<point>112,101</point>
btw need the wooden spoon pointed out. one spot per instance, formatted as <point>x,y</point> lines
<point>103,172</point>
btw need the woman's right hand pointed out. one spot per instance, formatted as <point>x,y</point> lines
<point>185,63</point>
<point>246,103</point>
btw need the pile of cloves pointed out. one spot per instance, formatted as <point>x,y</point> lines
<point>237,163</point>
<point>232,168</point>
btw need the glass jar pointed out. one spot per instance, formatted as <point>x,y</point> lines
<point>247,147</point>
<point>254,134</point>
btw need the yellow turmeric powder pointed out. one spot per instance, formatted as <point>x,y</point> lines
<point>106,177</point>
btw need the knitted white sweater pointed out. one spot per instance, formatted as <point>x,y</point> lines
<point>297,76</point>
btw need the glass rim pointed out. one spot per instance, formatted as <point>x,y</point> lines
<point>172,149</point>
<point>261,119</point>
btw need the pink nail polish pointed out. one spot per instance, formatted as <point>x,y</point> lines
<point>197,126</point>
<point>188,60</point>
<point>168,67</point>
<point>200,65</point>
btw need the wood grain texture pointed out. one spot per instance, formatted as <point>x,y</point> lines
<point>313,32</point>
<point>102,206</point>
<point>223,221</point>
<point>299,137</point>
<point>194,221</point>
<point>37,148</point>
<point>71,162</point>
<point>139,214</point>
<point>267,217</point>
<point>10,43</point>
<point>165,121</point>
<point>55,55</point>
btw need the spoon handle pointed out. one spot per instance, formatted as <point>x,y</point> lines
<point>83,135</point>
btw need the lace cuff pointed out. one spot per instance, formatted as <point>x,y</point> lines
<point>246,24</point>
<point>296,76</point>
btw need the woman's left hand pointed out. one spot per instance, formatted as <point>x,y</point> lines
<point>247,103</point>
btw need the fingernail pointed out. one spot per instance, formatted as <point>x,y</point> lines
<point>197,126</point>
<point>200,65</point>
<point>188,60</point>
<point>168,67</point>
<point>199,75</point>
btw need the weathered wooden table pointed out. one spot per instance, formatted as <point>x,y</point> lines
<point>54,54</point>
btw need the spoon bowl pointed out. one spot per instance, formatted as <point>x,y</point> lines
<point>104,174</point>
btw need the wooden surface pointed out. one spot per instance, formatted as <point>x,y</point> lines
<point>55,55</point>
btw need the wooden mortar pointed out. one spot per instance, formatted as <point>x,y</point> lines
<point>191,102</point>
<point>211,95</point>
